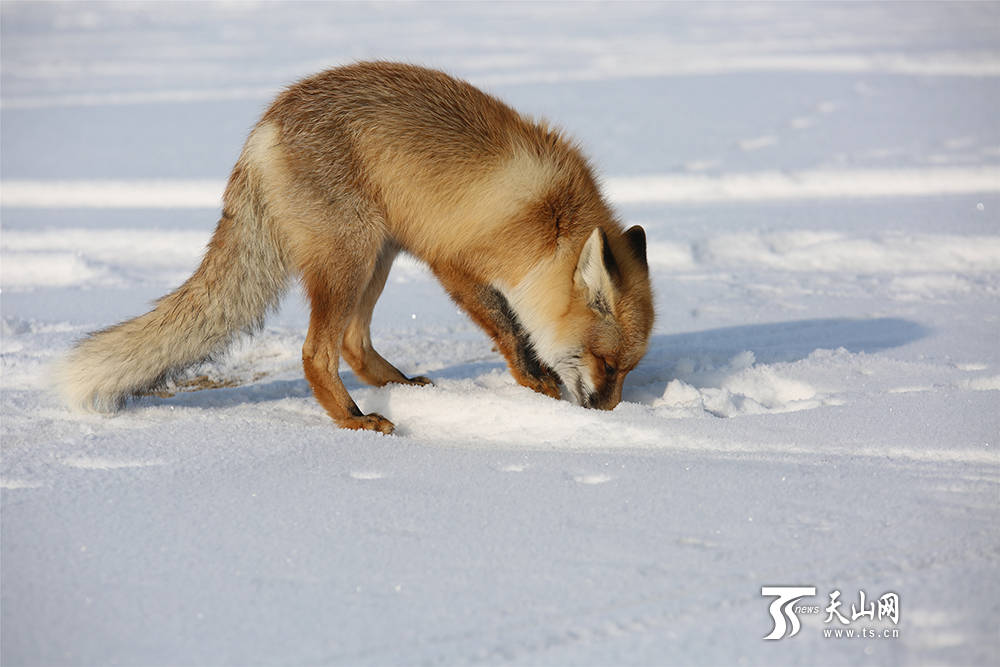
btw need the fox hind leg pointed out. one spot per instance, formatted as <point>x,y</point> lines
<point>337,248</point>
<point>368,364</point>
<point>321,359</point>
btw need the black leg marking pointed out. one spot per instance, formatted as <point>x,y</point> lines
<point>506,321</point>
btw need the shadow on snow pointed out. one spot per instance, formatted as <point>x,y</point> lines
<point>770,343</point>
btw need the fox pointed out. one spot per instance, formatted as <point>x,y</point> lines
<point>350,167</point>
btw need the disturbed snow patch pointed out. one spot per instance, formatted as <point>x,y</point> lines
<point>738,387</point>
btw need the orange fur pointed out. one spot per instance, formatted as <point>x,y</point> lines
<point>351,166</point>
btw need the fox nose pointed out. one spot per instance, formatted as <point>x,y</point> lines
<point>594,400</point>
<point>607,398</point>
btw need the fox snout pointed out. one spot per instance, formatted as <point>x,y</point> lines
<point>602,391</point>
<point>595,401</point>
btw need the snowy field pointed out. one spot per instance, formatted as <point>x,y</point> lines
<point>819,407</point>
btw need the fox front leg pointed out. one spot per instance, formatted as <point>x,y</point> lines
<point>531,371</point>
<point>514,344</point>
<point>489,309</point>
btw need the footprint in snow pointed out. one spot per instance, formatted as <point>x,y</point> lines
<point>970,367</point>
<point>910,390</point>
<point>592,479</point>
<point>101,463</point>
<point>8,483</point>
<point>757,143</point>
<point>367,475</point>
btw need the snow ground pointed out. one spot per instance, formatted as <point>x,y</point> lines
<point>819,406</point>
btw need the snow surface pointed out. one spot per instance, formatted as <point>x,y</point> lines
<point>819,405</point>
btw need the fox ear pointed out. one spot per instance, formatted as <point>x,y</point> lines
<point>597,272</point>
<point>636,237</point>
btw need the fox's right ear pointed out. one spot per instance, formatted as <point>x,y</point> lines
<point>636,237</point>
<point>597,272</point>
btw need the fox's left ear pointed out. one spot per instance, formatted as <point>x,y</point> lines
<point>597,272</point>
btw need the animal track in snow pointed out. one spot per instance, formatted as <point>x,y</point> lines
<point>367,475</point>
<point>826,107</point>
<point>989,383</point>
<point>592,479</point>
<point>702,165</point>
<point>18,484</point>
<point>757,143</point>
<point>102,463</point>
<point>910,390</point>
<point>972,366</point>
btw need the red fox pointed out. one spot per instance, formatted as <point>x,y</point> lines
<point>351,166</point>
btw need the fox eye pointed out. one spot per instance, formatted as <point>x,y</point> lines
<point>608,368</point>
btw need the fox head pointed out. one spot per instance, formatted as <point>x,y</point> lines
<point>588,313</point>
<point>610,316</point>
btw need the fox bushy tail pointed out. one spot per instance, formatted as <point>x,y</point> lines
<point>242,277</point>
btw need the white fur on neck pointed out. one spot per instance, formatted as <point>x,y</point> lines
<point>538,301</point>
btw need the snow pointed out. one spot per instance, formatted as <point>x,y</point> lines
<point>658,188</point>
<point>820,186</point>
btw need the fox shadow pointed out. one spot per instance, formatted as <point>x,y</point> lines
<point>777,342</point>
<point>792,341</point>
<point>770,343</point>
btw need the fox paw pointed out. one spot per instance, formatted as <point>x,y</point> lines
<point>544,383</point>
<point>369,422</point>
<point>417,380</point>
<point>548,385</point>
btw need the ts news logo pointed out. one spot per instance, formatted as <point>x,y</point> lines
<point>783,607</point>
<point>786,607</point>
